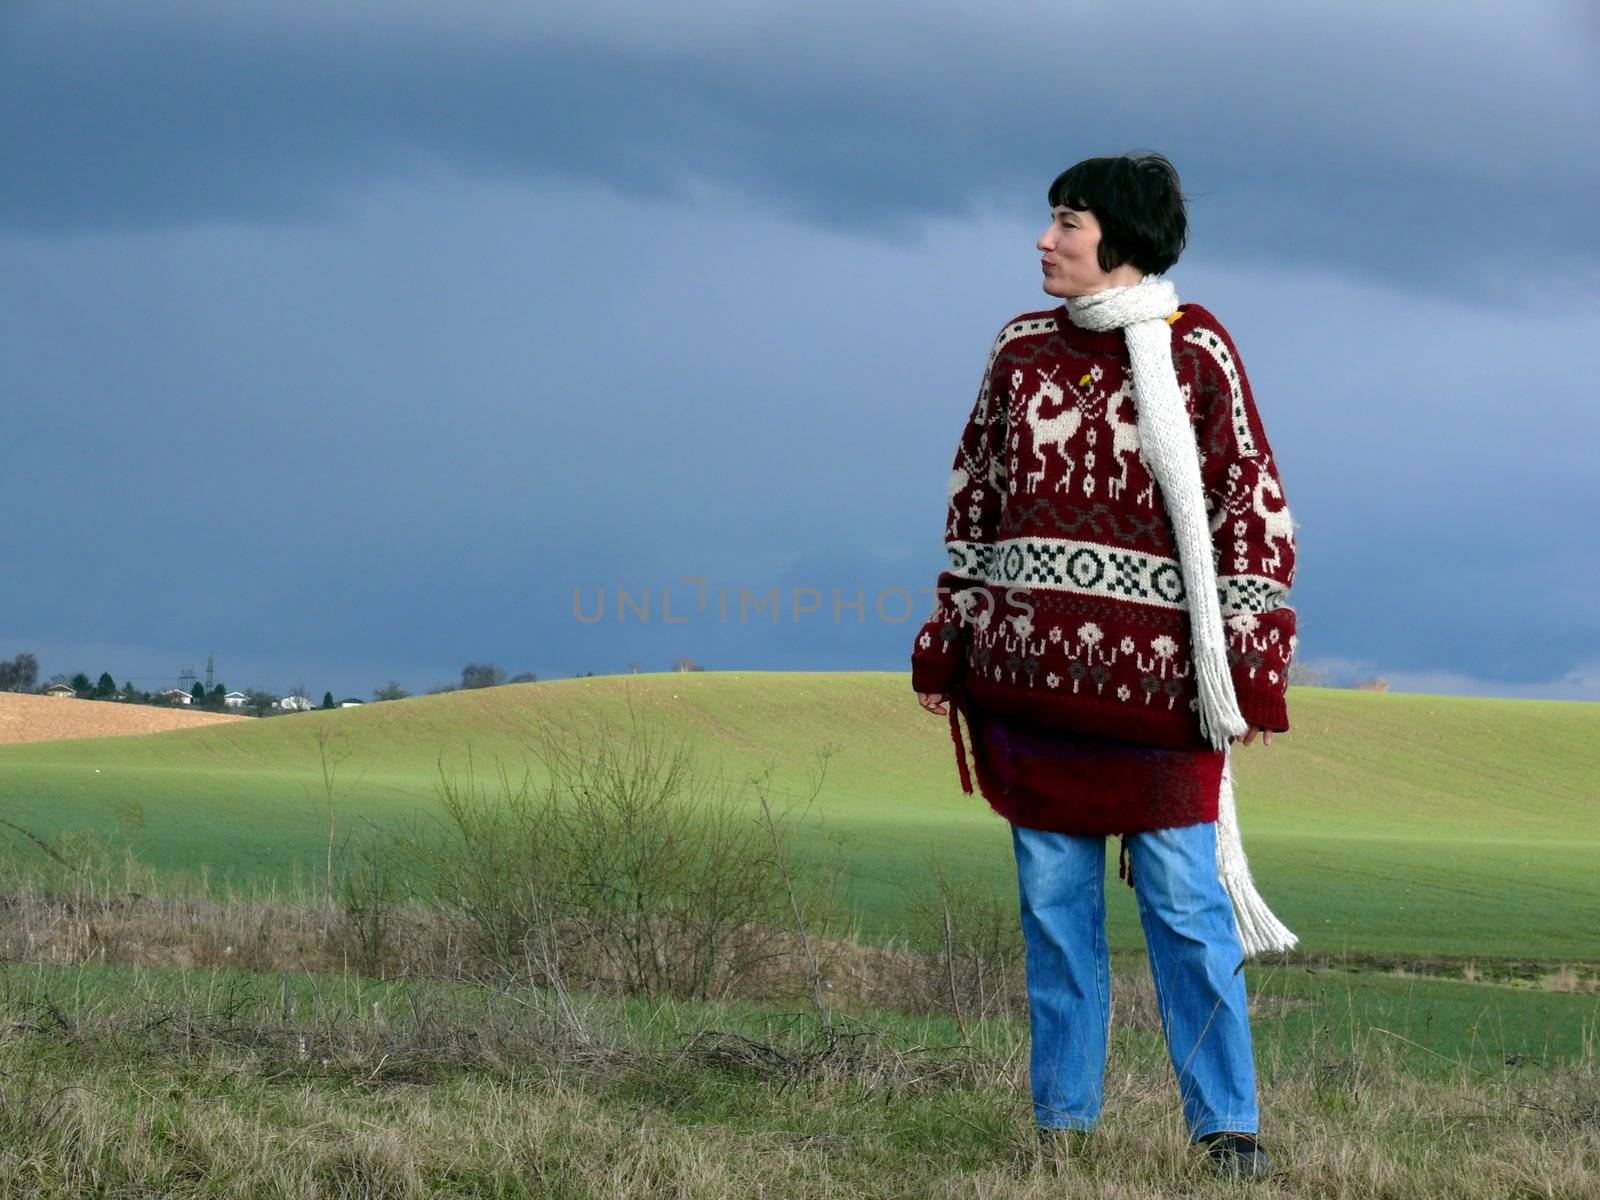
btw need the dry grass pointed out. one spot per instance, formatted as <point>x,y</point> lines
<point>1566,978</point>
<point>276,935</point>
<point>486,1085</point>
<point>516,1091</point>
<point>465,1081</point>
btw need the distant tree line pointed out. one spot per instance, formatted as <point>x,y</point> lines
<point>481,675</point>
<point>21,674</point>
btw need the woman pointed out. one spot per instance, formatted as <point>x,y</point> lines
<point>1115,615</point>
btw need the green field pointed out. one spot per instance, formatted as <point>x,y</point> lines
<point>1382,824</point>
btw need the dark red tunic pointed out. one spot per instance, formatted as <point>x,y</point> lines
<point>1044,778</point>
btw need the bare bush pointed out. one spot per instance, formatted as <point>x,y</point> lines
<point>972,938</point>
<point>622,867</point>
<point>370,893</point>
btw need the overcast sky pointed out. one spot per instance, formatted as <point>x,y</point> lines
<point>349,342</point>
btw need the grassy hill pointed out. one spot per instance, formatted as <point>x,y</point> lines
<point>1383,823</point>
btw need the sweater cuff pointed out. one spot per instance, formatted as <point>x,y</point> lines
<point>936,658</point>
<point>933,675</point>
<point>1263,708</point>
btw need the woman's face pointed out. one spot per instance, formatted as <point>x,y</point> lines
<point>1069,245</point>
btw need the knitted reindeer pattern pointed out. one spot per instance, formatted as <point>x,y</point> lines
<point>1064,599</point>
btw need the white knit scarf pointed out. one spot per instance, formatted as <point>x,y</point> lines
<point>1167,447</point>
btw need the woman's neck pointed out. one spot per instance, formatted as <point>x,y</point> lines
<point>1123,276</point>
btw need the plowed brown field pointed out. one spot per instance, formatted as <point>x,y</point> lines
<point>25,718</point>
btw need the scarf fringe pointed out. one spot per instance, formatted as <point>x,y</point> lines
<point>1259,931</point>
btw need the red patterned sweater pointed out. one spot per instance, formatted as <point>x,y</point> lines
<point>1064,601</point>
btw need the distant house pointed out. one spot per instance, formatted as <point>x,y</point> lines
<point>351,702</point>
<point>236,700</point>
<point>175,696</point>
<point>61,691</point>
<point>294,704</point>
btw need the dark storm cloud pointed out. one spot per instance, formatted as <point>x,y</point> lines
<point>1445,148</point>
<point>350,339</point>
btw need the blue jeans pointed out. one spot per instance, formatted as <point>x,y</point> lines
<point>1194,952</point>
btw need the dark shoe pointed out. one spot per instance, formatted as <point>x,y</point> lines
<point>1237,1155</point>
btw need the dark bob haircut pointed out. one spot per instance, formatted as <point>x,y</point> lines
<point>1135,198</point>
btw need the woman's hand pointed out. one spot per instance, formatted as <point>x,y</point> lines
<point>1249,735</point>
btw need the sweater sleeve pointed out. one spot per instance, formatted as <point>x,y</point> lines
<point>1253,540</point>
<point>976,498</point>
